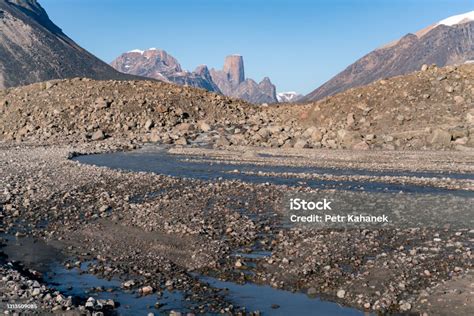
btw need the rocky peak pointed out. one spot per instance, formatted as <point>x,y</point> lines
<point>33,48</point>
<point>153,63</point>
<point>31,5</point>
<point>35,11</point>
<point>202,70</point>
<point>450,42</point>
<point>234,68</point>
<point>230,81</point>
<point>158,64</point>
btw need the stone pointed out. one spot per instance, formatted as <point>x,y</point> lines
<point>184,127</point>
<point>154,137</point>
<point>369,137</point>
<point>98,135</point>
<point>203,126</point>
<point>458,99</point>
<point>101,103</point>
<point>458,133</point>
<point>222,141</point>
<point>424,67</point>
<point>300,144</point>
<point>361,146</point>
<point>350,119</point>
<point>312,291</point>
<point>128,284</point>
<point>90,303</point>
<point>348,138</point>
<point>146,290</point>
<point>440,137</point>
<point>341,293</point>
<point>148,125</point>
<point>308,132</point>
<point>405,306</point>
<point>49,85</point>
<point>181,141</point>
<point>470,117</point>
<point>316,136</point>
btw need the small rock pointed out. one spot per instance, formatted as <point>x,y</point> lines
<point>405,306</point>
<point>312,291</point>
<point>98,135</point>
<point>146,290</point>
<point>341,293</point>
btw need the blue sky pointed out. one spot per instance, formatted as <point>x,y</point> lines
<point>299,44</point>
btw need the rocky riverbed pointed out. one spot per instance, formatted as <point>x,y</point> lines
<point>157,234</point>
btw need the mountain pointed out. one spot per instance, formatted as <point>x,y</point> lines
<point>289,97</point>
<point>158,64</point>
<point>449,42</point>
<point>33,48</point>
<point>231,81</point>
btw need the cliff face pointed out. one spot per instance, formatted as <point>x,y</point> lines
<point>230,81</point>
<point>234,68</point>
<point>158,64</point>
<point>33,48</point>
<point>439,44</point>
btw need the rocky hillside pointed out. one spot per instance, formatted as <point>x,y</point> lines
<point>430,109</point>
<point>33,49</point>
<point>448,42</point>
<point>158,64</point>
<point>230,81</point>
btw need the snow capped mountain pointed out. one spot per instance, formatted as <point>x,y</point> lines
<point>448,42</point>
<point>136,51</point>
<point>458,19</point>
<point>141,51</point>
<point>288,97</point>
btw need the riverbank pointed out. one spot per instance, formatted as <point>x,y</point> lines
<point>160,231</point>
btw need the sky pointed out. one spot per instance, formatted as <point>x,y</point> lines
<point>299,44</point>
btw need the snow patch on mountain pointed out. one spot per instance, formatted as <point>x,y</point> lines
<point>136,51</point>
<point>288,97</point>
<point>458,19</point>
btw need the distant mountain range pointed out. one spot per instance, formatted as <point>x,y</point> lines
<point>448,42</point>
<point>33,49</point>
<point>230,81</point>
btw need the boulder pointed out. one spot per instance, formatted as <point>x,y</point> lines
<point>361,146</point>
<point>203,126</point>
<point>98,135</point>
<point>101,103</point>
<point>148,125</point>
<point>300,144</point>
<point>348,138</point>
<point>146,290</point>
<point>440,138</point>
<point>470,117</point>
<point>181,141</point>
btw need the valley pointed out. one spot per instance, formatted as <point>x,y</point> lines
<point>141,188</point>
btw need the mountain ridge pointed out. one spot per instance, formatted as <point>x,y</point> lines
<point>439,44</point>
<point>34,49</point>
<point>230,81</point>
